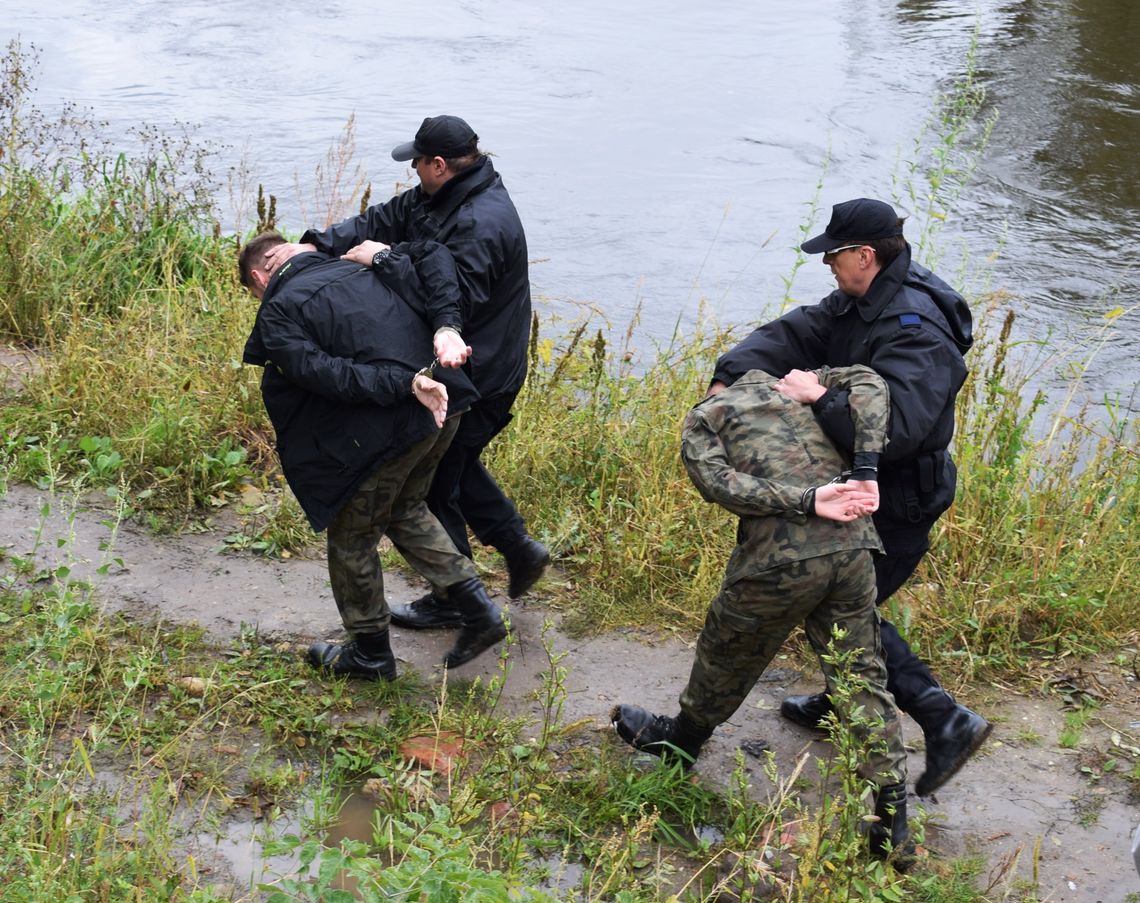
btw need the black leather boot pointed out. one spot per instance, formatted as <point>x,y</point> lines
<point>890,836</point>
<point>526,563</point>
<point>669,738</point>
<point>953,733</point>
<point>368,656</point>
<point>482,622</point>
<point>807,711</point>
<point>426,612</point>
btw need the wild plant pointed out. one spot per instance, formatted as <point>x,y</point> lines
<point>834,862</point>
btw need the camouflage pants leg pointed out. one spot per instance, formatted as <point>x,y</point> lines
<point>749,620</point>
<point>418,534</point>
<point>389,497</point>
<point>850,604</point>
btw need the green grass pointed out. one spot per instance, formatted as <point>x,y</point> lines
<point>1073,729</point>
<point>121,741</point>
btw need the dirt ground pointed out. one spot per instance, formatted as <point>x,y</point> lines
<point>1023,798</point>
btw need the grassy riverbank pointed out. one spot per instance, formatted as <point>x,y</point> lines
<point>113,273</point>
<point>114,276</point>
<point>128,748</point>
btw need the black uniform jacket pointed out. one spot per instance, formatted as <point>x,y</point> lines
<point>340,345</point>
<point>913,330</point>
<point>472,215</point>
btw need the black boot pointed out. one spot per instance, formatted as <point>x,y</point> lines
<point>526,563</point>
<point>953,733</point>
<point>482,622</point>
<point>807,711</point>
<point>890,835</point>
<point>426,612</point>
<point>368,656</point>
<point>669,738</point>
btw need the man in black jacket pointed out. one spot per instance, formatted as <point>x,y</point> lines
<point>462,203</point>
<point>895,316</point>
<point>361,426</point>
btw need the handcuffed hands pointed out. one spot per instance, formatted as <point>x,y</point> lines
<point>432,395</point>
<point>846,501</point>
<point>870,487</point>
<point>450,349</point>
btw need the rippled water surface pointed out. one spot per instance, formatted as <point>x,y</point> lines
<point>665,155</point>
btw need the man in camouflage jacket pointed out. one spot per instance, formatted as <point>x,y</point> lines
<point>895,316</point>
<point>803,555</point>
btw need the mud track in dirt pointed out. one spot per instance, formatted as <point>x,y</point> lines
<point>1021,792</point>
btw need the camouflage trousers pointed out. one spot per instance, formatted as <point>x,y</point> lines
<point>392,502</point>
<point>750,619</point>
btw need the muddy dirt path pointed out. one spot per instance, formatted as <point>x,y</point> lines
<point>1022,793</point>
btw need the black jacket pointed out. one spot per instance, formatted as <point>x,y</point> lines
<point>472,215</point>
<point>913,330</point>
<point>340,345</point>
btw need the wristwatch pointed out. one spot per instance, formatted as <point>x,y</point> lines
<point>380,256</point>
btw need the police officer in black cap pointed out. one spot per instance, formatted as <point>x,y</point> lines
<point>897,317</point>
<point>462,203</point>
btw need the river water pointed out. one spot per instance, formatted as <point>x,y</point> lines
<point>665,155</point>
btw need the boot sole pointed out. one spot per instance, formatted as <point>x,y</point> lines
<point>319,657</point>
<point>975,744</point>
<point>332,671</point>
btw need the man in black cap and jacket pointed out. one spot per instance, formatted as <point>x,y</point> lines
<point>361,425</point>
<point>898,318</point>
<point>462,203</point>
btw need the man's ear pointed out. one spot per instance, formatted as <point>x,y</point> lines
<point>259,279</point>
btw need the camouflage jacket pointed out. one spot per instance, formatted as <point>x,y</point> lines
<point>755,452</point>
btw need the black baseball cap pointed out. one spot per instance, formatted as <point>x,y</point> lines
<point>860,220</point>
<point>439,136</point>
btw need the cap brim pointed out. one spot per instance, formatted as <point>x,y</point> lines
<point>821,244</point>
<point>404,152</point>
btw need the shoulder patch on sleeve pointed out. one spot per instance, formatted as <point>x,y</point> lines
<point>910,320</point>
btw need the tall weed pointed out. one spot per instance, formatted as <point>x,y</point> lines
<point>595,465</point>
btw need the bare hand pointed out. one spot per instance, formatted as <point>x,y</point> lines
<point>279,254</point>
<point>450,349</point>
<point>800,385</point>
<point>715,388</point>
<point>432,395</point>
<point>844,501</point>
<point>364,252</point>
<point>870,487</point>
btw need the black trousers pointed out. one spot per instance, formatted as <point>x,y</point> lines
<point>908,676</point>
<point>464,494</point>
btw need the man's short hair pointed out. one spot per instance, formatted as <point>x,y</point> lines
<point>464,163</point>
<point>254,252</point>
<point>887,249</point>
